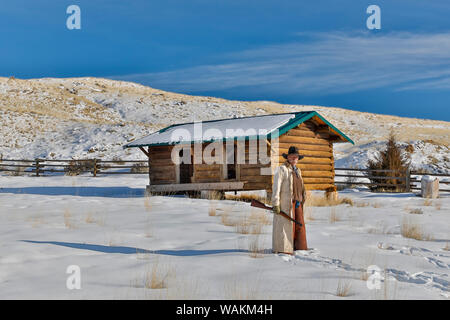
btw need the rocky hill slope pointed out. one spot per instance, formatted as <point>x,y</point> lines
<point>95,117</point>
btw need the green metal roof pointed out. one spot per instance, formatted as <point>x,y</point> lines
<point>286,121</point>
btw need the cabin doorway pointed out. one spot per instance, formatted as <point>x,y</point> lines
<point>186,169</point>
<point>231,163</point>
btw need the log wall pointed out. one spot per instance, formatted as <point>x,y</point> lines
<point>205,172</point>
<point>317,166</point>
<point>313,141</point>
<point>161,168</point>
<point>251,172</point>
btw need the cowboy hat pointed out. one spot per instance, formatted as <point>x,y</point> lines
<point>292,150</point>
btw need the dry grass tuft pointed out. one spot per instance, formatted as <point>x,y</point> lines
<point>255,247</point>
<point>343,288</point>
<point>333,217</point>
<point>262,218</point>
<point>412,230</point>
<point>148,229</point>
<point>382,227</point>
<point>362,204</point>
<point>245,197</point>
<point>155,277</point>
<point>250,225</point>
<point>447,247</point>
<point>427,202</point>
<point>241,290</point>
<point>147,204</point>
<point>90,218</point>
<point>243,226</point>
<point>68,219</point>
<point>323,201</point>
<point>186,289</point>
<point>416,211</point>
<point>308,214</point>
<point>227,219</point>
<point>36,221</point>
<point>215,195</point>
<point>212,210</point>
<point>376,205</point>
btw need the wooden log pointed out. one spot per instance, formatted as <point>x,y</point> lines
<point>249,166</point>
<point>301,140</point>
<point>162,170</point>
<point>203,180</point>
<point>301,133</point>
<point>311,167</point>
<point>318,180</point>
<point>161,161</point>
<point>257,186</point>
<point>207,167</point>
<point>229,185</point>
<point>309,160</point>
<point>257,178</point>
<point>162,165</point>
<point>163,174</point>
<point>207,175</point>
<point>313,147</point>
<point>163,182</point>
<point>324,186</point>
<point>309,124</point>
<point>251,171</point>
<point>167,156</point>
<point>307,173</point>
<point>308,134</point>
<point>304,146</point>
<point>310,153</point>
<point>315,167</point>
<point>158,177</point>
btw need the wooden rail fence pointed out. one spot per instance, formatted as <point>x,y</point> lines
<point>39,167</point>
<point>407,180</point>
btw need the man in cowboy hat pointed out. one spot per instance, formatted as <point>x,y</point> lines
<point>288,195</point>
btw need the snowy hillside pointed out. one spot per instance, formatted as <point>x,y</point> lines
<point>94,117</point>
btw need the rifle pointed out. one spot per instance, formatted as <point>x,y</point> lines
<point>259,204</point>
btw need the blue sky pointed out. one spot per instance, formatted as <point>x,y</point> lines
<point>300,52</point>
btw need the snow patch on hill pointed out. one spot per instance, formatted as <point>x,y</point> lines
<point>94,117</point>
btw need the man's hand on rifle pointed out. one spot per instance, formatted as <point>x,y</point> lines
<point>276,209</point>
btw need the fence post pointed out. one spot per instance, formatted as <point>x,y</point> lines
<point>408,179</point>
<point>37,167</point>
<point>95,167</point>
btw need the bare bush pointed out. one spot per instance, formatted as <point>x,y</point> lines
<point>139,167</point>
<point>77,167</point>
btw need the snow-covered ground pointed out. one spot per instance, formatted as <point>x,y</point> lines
<point>119,239</point>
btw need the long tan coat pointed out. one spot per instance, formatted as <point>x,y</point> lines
<point>282,235</point>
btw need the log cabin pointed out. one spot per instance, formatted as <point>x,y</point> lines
<point>240,154</point>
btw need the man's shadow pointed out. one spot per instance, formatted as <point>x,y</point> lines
<point>131,250</point>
